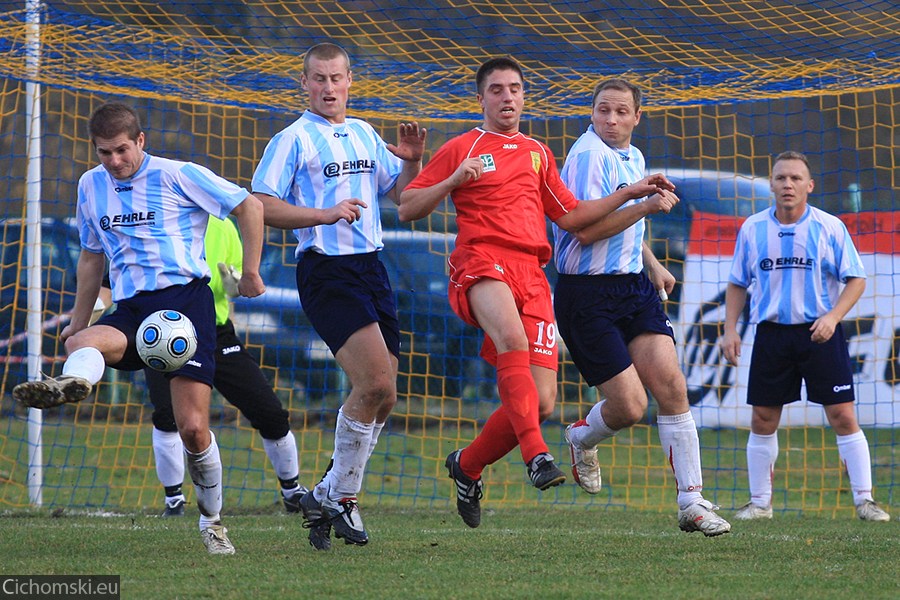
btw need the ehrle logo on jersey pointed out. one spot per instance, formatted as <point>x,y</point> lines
<point>349,167</point>
<point>136,219</point>
<point>787,262</point>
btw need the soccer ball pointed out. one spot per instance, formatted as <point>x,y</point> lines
<point>166,340</point>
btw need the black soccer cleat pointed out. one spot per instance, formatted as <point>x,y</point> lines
<point>543,473</point>
<point>469,492</point>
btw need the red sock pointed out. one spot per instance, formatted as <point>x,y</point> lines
<point>496,439</point>
<point>519,396</point>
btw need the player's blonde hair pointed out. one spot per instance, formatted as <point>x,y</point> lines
<point>324,51</point>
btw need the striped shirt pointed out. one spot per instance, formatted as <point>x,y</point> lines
<point>151,227</point>
<point>594,170</point>
<point>795,269</point>
<point>316,164</point>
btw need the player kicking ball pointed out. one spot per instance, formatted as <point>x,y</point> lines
<point>147,215</point>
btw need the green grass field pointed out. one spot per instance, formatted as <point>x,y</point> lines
<point>549,552</point>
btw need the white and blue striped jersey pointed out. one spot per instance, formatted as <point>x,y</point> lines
<point>594,170</point>
<point>795,269</point>
<point>151,227</point>
<point>316,164</point>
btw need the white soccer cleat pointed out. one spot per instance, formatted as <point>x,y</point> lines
<point>750,512</point>
<point>51,392</point>
<point>700,516</point>
<point>585,465</point>
<point>870,511</point>
<point>215,538</point>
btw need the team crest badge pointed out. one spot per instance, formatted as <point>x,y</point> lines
<point>487,161</point>
<point>536,161</point>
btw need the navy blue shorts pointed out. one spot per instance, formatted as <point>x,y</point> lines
<point>599,315</point>
<point>342,294</point>
<point>783,355</point>
<point>195,301</point>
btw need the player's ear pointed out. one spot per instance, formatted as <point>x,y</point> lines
<point>349,77</point>
<point>304,82</point>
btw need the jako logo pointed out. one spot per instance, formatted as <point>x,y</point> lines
<point>230,350</point>
<point>841,388</point>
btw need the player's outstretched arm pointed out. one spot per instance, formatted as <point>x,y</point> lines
<point>590,212</point>
<point>283,215</point>
<point>419,203</point>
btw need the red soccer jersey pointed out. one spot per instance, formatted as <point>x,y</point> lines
<point>506,206</point>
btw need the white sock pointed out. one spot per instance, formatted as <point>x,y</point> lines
<point>168,453</point>
<point>283,456</point>
<point>206,473</point>
<point>352,440</point>
<point>86,363</point>
<point>681,444</point>
<point>854,452</point>
<point>376,431</point>
<point>762,452</point>
<point>595,431</point>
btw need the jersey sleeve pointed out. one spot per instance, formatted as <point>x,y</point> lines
<point>441,165</point>
<point>274,174</point>
<point>556,198</point>
<point>740,271</point>
<point>389,166</point>
<point>216,195</point>
<point>849,264</point>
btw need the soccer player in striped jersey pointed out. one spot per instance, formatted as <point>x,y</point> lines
<point>238,378</point>
<point>503,185</point>
<point>609,312</point>
<point>323,176</point>
<point>805,274</point>
<point>147,215</point>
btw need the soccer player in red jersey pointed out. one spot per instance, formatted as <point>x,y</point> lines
<point>503,184</point>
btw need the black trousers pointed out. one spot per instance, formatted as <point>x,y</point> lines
<point>238,378</point>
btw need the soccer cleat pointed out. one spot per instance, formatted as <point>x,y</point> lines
<point>292,502</point>
<point>174,507</point>
<point>215,538</point>
<point>346,520</point>
<point>585,465</point>
<point>469,492</point>
<point>750,512</point>
<point>544,474</point>
<point>51,392</point>
<point>700,516</point>
<point>870,511</point>
<point>314,520</point>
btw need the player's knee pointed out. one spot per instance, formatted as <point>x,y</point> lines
<point>379,393</point>
<point>194,435</point>
<point>631,412</point>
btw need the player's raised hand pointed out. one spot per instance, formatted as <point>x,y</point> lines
<point>410,142</point>
<point>349,210</point>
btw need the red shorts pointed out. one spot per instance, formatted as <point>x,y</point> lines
<point>530,289</point>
